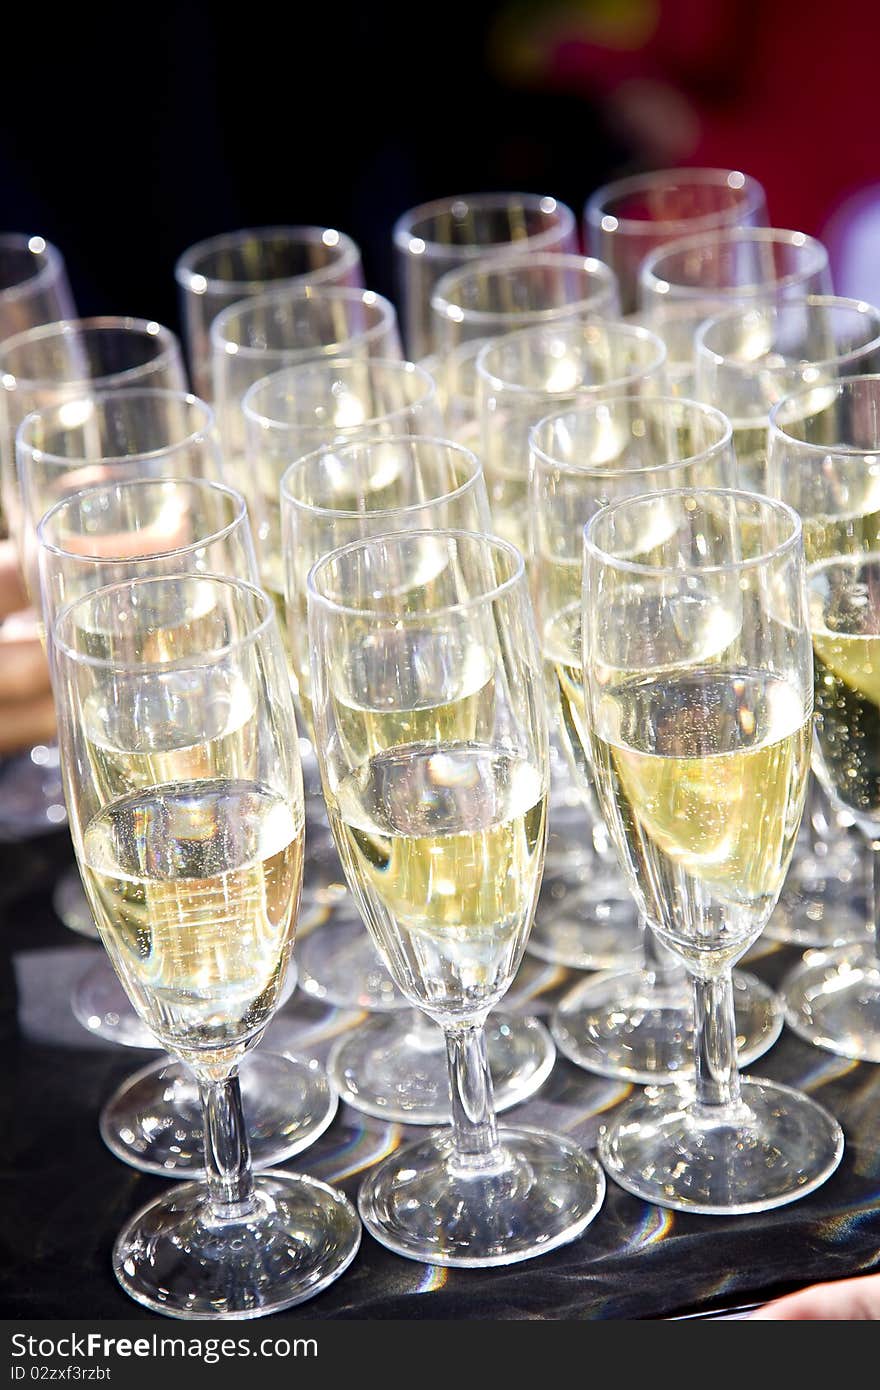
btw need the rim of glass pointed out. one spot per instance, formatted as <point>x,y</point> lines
<point>634,332</point>
<point>196,436</point>
<point>699,409</point>
<point>47,270</point>
<point>65,615</point>
<point>836,303</point>
<point>204,485</point>
<point>392,366</point>
<point>596,207</point>
<point>186,267</point>
<point>343,294</point>
<point>404,230</point>
<point>450,445</point>
<point>606,286</point>
<point>494,543</point>
<point>816,256</point>
<point>124,325</point>
<point>841,385</point>
<point>770,504</point>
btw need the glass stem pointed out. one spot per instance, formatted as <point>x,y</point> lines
<point>660,965</point>
<point>474,1129</point>
<point>717,1075</point>
<point>227,1149</point>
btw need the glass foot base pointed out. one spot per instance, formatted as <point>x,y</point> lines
<point>394,1066</point>
<point>177,1259</point>
<point>777,1146</point>
<point>587,926</point>
<point>72,906</point>
<point>623,1025</point>
<point>543,1192</point>
<point>154,1121</point>
<point>833,1001</point>
<point>102,1006</point>
<point>339,965</point>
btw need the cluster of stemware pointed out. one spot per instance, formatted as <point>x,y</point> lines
<point>504,646</point>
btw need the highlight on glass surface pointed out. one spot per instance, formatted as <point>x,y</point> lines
<point>505,292</point>
<point>190,845</point>
<point>436,237</point>
<point>284,328</point>
<point>394,1064</point>
<point>746,361</point>
<point>626,219</point>
<point>523,376</point>
<point>436,776</point>
<point>52,364</point>
<point>824,458</point>
<point>101,536</point>
<point>700,753</point>
<point>222,270</point>
<point>688,280</point>
<point>34,287</point>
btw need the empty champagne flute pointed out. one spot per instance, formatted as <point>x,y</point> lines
<point>823,458</point>
<point>221,271</point>
<point>54,364</point>
<point>437,237</point>
<point>394,1064</point>
<point>191,852</point>
<point>700,758</point>
<point>626,219</point>
<point>746,361</point>
<point>437,795</point>
<point>94,538</point>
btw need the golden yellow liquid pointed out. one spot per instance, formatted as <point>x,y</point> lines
<point>702,775</point>
<point>443,847</point>
<point>176,726</point>
<point>195,888</point>
<point>403,669</point>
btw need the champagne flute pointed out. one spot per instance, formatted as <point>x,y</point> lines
<point>191,853</point>
<point>221,271</point>
<point>104,429</point>
<point>822,458</point>
<point>521,378</point>
<point>53,364</point>
<point>287,415</point>
<point>632,1021</point>
<point>746,361</point>
<point>437,795</point>
<point>626,219</point>
<point>94,538</point>
<point>686,281</point>
<point>437,237</point>
<point>394,1064</point>
<point>507,292</point>
<point>700,765</point>
<point>283,328</point>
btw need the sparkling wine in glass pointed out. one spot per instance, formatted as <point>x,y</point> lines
<point>700,762</point>
<point>194,874</point>
<point>437,794</point>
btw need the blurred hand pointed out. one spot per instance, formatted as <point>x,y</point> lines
<point>27,711</point>
<point>848,1300</point>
